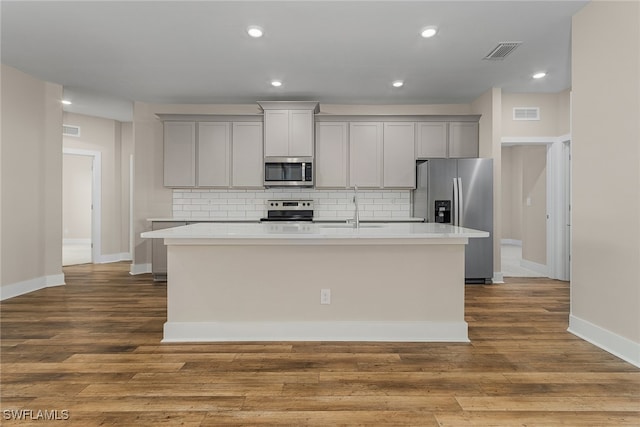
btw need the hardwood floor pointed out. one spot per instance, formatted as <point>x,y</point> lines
<point>89,353</point>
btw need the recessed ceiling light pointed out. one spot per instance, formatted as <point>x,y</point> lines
<point>430,31</point>
<point>255,31</point>
<point>398,83</point>
<point>276,83</point>
<point>65,102</point>
<point>539,75</point>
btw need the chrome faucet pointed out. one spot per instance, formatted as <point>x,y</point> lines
<point>356,213</point>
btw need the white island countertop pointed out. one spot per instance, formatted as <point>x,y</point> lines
<point>301,232</point>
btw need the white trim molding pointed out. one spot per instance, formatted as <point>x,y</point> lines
<point>498,277</point>
<point>316,331</point>
<point>108,258</point>
<point>31,285</point>
<point>537,267</point>
<point>615,344</point>
<point>140,269</point>
<point>534,140</point>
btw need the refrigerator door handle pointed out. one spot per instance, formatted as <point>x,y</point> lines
<point>460,202</point>
<point>456,206</point>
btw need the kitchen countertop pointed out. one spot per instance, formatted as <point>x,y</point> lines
<point>316,220</point>
<point>300,231</point>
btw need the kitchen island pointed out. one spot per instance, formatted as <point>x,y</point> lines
<point>318,282</point>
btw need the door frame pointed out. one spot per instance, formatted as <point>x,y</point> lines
<point>96,199</point>
<point>558,200</point>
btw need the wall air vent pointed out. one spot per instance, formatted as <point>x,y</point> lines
<point>526,113</point>
<point>502,50</point>
<point>69,130</point>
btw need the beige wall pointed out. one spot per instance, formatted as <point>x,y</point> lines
<point>534,204</point>
<point>605,289</point>
<point>489,105</point>
<point>126,159</point>
<point>31,181</point>
<point>105,136</point>
<point>511,193</point>
<point>554,114</point>
<point>524,199</point>
<point>76,197</point>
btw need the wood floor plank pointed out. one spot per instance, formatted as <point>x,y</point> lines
<point>549,403</point>
<point>321,418</point>
<point>93,347</point>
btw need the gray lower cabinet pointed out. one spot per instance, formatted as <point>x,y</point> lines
<point>159,250</point>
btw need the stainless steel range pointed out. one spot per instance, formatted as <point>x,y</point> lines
<point>289,210</point>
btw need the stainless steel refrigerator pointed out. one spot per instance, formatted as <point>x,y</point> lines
<point>460,192</point>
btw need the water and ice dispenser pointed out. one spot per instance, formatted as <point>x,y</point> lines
<point>443,211</point>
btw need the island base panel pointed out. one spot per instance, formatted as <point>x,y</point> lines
<point>390,292</point>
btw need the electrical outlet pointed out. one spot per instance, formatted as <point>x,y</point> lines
<point>325,296</point>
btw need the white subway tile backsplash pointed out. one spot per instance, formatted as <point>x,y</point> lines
<point>231,203</point>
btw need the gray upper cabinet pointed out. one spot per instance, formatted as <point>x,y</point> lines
<point>463,139</point>
<point>179,154</point>
<point>214,151</point>
<point>214,154</point>
<point>248,161</point>
<point>288,128</point>
<point>331,155</point>
<point>276,133</point>
<point>399,165</point>
<point>365,154</point>
<point>431,141</point>
<point>447,140</point>
<point>288,133</point>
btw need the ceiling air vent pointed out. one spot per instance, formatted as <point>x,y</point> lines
<point>68,130</point>
<point>502,50</point>
<point>526,113</point>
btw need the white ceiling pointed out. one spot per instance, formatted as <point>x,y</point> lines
<point>107,54</point>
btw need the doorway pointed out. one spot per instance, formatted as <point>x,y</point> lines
<point>80,202</point>
<point>542,246</point>
<point>524,210</point>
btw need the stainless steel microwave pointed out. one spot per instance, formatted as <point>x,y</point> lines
<point>288,172</point>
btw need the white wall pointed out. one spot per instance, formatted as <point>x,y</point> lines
<point>31,184</point>
<point>605,288</point>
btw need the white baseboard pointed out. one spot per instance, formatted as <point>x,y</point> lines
<point>122,256</point>
<point>316,331</point>
<point>31,285</point>
<point>538,268</point>
<point>140,269</point>
<point>615,344</point>
<point>498,277</point>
